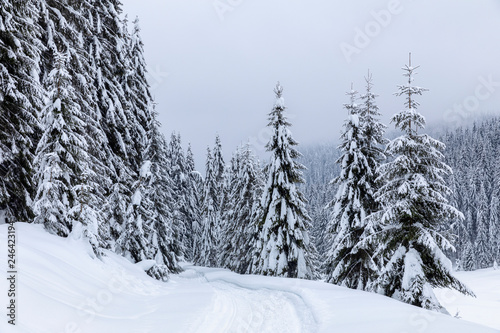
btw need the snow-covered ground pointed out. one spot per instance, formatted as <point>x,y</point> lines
<point>485,308</point>
<point>61,289</point>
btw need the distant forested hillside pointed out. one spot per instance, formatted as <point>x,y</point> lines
<point>473,152</point>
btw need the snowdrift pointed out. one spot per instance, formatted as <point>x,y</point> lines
<point>61,288</point>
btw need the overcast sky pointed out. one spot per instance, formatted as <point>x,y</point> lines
<point>214,63</point>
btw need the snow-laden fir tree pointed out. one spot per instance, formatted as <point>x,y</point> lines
<point>220,183</point>
<point>457,226</point>
<point>482,245</point>
<point>320,219</point>
<point>62,163</point>
<point>413,198</point>
<point>20,98</point>
<point>139,102</point>
<point>206,246</point>
<point>62,25</point>
<point>132,242</point>
<point>349,263</point>
<point>193,202</point>
<point>373,140</point>
<point>494,228</point>
<point>148,231</point>
<point>473,154</point>
<point>177,169</point>
<point>159,193</point>
<point>107,44</point>
<point>239,231</point>
<point>319,192</point>
<point>469,258</point>
<point>284,246</point>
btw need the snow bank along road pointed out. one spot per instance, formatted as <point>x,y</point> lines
<point>62,289</point>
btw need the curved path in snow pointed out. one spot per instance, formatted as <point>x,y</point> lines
<point>238,309</point>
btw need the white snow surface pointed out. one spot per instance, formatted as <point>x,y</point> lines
<point>62,289</point>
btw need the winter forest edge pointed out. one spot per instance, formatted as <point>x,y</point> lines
<point>83,155</point>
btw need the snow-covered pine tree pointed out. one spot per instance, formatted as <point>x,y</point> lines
<point>20,99</point>
<point>218,162</point>
<point>105,43</point>
<point>494,227</point>
<point>139,102</point>
<point>458,227</point>
<point>240,229</point>
<point>482,244</point>
<point>150,231</point>
<point>413,197</point>
<point>285,248</point>
<point>177,170</point>
<point>219,169</point>
<point>194,182</point>
<point>205,253</point>
<point>348,263</point>
<point>63,25</point>
<point>227,210</point>
<point>469,258</point>
<point>132,242</point>
<point>159,234</point>
<point>62,162</point>
<point>318,190</point>
<point>473,154</point>
<point>320,217</point>
<point>373,139</point>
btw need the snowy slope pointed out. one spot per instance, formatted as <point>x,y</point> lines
<point>485,308</point>
<point>61,289</point>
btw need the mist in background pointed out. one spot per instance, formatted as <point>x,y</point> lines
<point>213,64</point>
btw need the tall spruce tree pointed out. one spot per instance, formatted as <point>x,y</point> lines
<point>469,258</point>
<point>177,170</point>
<point>193,201</point>
<point>284,246</point>
<point>20,98</point>
<point>413,197</point>
<point>482,245</point>
<point>348,263</point>
<point>494,228</point>
<point>63,25</point>
<point>220,185</point>
<point>62,163</point>
<point>159,193</point>
<point>240,229</point>
<point>373,140</point>
<point>105,44</point>
<point>207,239</point>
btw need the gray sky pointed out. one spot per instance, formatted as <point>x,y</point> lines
<point>214,63</point>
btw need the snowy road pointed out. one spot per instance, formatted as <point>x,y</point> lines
<point>237,309</point>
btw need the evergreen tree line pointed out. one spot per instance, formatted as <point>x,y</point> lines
<point>82,154</point>
<point>253,219</point>
<point>81,149</point>
<point>473,153</point>
<point>383,223</point>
